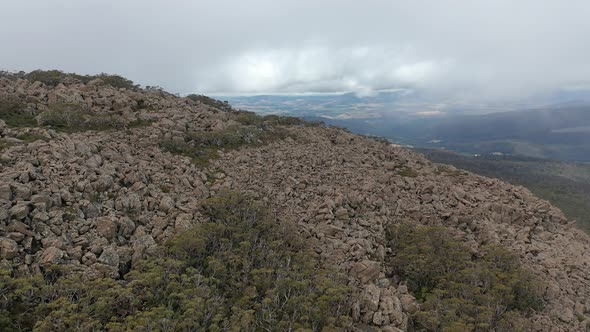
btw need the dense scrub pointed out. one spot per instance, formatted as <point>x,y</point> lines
<point>458,291</point>
<point>242,270</point>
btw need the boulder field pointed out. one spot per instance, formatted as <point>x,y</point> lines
<point>99,200</point>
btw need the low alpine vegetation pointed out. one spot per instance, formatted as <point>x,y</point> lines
<point>241,270</point>
<point>74,118</point>
<point>13,112</point>
<point>202,146</point>
<point>459,291</point>
<point>250,118</point>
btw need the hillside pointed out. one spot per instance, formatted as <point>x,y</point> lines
<point>124,208</point>
<point>564,184</point>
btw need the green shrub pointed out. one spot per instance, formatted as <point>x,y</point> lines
<point>252,119</point>
<point>54,77</point>
<point>31,137</point>
<point>407,172</point>
<point>198,156</point>
<point>12,112</point>
<point>247,118</point>
<point>458,292</point>
<point>202,146</point>
<point>63,116</point>
<point>47,77</point>
<point>242,270</point>
<point>4,145</point>
<point>115,81</point>
<point>140,123</point>
<point>73,118</point>
<point>222,105</point>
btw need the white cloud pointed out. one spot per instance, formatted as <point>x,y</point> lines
<point>416,72</point>
<point>363,70</point>
<point>485,49</point>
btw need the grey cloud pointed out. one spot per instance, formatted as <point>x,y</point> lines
<point>465,49</point>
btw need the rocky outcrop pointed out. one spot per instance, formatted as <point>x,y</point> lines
<point>99,201</point>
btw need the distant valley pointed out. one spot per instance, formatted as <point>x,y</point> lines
<point>561,133</point>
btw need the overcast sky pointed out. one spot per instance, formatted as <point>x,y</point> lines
<point>473,49</point>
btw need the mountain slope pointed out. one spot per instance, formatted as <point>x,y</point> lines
<point>98,177</point>
<point>566,185</point>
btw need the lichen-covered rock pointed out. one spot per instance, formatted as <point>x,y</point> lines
<point>109,257</point>
<point>5,192</point>
<point>20,211</point>
<point>366,270</point>
<point>8,248</point>
<point>106,227</point>
<point>51,255</point>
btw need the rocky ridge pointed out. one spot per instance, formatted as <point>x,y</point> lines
<point>100,200</point>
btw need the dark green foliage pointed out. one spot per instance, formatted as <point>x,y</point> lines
<point>12,111</point>
<point>490,292</point>
<point>202,146</point>
<point>242,270</point>
<point>222,105</point>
